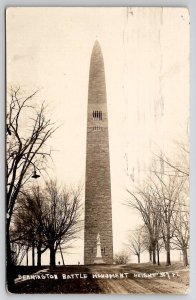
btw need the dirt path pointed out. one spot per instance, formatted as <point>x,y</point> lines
<point>138,285</point>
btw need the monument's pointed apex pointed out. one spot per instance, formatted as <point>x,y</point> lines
<point>97,88</point>
<point>96,47</point>
<point>96,44</point>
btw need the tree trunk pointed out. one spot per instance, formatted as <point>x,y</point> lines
<point>10,266</point>
<point>52,256</point>
<point>154,256</point>
<point>168,259</point>
<point>39,254</point>
<point>138,258</point>
<point>27,257</point>
<point>153,249</point>
<point>150,255</point>
<point>185,257</point>
<point>168,262</point>
<point>158,257</point>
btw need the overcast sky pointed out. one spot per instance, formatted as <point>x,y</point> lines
<point>146,56</point>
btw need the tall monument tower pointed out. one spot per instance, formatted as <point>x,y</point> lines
<point>98,240</point>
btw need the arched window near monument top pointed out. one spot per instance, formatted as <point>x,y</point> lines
<point>97,115</point>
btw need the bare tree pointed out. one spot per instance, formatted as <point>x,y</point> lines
<point>136,242</point>
<point>28,130</point>
<point>181,161</point>
<point>121,258</point>
<point>61,217</point>
<point>27,222</point>
<point>47,218</point>
<point>182,228</point>
<point>167,188</point>
<point>160,204</point>
<point>146,242</point>
<point>172,185</point>
<point>159,247</point>
<point>144,200</point>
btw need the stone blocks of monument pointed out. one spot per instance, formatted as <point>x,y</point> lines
<point>98,210</point>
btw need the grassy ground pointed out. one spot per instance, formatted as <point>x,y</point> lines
<point>175,281</point>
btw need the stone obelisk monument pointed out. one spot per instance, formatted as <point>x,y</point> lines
<point>98,240</point>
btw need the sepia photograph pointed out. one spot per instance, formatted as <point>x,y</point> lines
<point>97,150</point>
